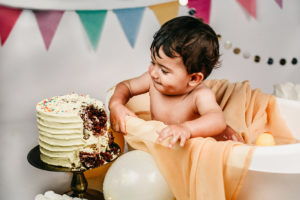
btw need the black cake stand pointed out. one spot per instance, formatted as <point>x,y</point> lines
<point>79,184</point>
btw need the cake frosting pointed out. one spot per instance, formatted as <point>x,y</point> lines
<point>74,132</point>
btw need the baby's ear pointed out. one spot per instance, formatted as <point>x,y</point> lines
<point>196,78</point>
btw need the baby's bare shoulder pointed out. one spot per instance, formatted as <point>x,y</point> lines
<point>204,96</point>
<point>202,89</point>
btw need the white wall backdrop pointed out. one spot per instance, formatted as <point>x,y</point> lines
<point>275,33</point>
<point>29,73</point>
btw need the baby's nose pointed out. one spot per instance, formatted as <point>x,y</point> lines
<point>153,72</point>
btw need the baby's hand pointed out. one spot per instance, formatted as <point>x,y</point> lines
<point>177,132</point>
<point>118,114</point>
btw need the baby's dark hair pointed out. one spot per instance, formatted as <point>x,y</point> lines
<point>195,41</point>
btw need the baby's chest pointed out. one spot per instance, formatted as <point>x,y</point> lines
<point>172,111</point>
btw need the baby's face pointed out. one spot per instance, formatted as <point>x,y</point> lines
<point>169,75</point>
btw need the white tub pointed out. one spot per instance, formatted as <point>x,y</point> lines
<point>274,172</point>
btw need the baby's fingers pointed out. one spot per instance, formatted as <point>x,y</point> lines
<point>182,141</point>
<point>115,127</point>
<point>163,134</point>
<point>123,127</point>
<point>132,114</point>
<point>173,141</point>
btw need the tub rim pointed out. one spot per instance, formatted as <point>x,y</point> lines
<point>276,159</point>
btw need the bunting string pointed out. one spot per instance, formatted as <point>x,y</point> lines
<point>129,18</point>
<point>92,21</point>
<point>201,9</point>
<point>228,45</point>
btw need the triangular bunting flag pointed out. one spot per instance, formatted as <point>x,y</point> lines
<point>8,18</point>
<point>165,11</point>
<point>279,2</point>
<point>130,20</point>
<point>249,6</point>
<point>48,22</point>
<point>93,21</point>
<point>202,8</point>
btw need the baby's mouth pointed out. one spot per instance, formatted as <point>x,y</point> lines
<point>155,81</point>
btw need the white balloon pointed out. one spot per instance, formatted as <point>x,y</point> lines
<point>135,176</point>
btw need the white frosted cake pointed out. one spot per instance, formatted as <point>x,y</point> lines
<point>73,132</point>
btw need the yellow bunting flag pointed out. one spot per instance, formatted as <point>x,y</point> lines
<point>165,11</point>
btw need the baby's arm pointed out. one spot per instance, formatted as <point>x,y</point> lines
<point>211,121</point>
<point>123,92</point>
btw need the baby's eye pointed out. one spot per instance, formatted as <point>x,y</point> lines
<point>164,71</point>
<point>152,63</point>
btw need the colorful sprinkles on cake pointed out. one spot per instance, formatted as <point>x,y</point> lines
<point>66,103</point>
<point>49,105</point>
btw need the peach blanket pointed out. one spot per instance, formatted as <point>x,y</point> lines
<point>205,169</point>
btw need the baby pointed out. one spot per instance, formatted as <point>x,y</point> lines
<point>183,53</point>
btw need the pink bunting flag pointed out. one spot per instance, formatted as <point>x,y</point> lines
<point>8,18</point>
<point>249,6</point>
<point>202,8</point>
<point>279,2</point>
<point>48,22</point>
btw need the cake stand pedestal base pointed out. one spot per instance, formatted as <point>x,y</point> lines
<point>79,184</point>
<point>89,194</point>
<point>79,187</point>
